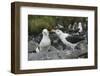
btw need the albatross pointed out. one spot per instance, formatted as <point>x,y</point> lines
<point>67,39</point>
<point>80,27</point>
<point>45,42</point>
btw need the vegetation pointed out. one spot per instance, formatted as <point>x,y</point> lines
<point>36,23</point>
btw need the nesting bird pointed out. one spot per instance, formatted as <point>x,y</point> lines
<point>72,29</point>
<point>67,39</point>
<point>45,42</point>
<point>80,27</point>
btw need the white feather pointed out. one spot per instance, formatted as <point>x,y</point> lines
<point>37,50</point>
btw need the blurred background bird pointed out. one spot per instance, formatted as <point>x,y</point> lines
<point>80,27</point>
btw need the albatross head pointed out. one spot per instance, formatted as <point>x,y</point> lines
<point>45,32</point>
<point>58,32</point>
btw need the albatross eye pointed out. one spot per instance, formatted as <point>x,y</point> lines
<point>57,30</point>
<point>46,33</point>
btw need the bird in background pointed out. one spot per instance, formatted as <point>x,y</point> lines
<point>80,27</point>
<point>67,39</point>
<point>45,42</point>
<point>75,29</point>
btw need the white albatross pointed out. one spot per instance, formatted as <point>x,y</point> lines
<point>45,42</point>
<point>67,39</point>
<point>80,27</point>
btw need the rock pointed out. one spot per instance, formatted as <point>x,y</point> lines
<point>57,50</point>
<point>32,45</point>
<point>36,56</point>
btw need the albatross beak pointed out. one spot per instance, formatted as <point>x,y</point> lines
<point>53,30</point>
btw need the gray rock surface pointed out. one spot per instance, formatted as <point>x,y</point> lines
<point>56,53</point>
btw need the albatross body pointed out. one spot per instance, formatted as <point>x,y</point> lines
<point>67,39</point>
<point>45,42</point>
